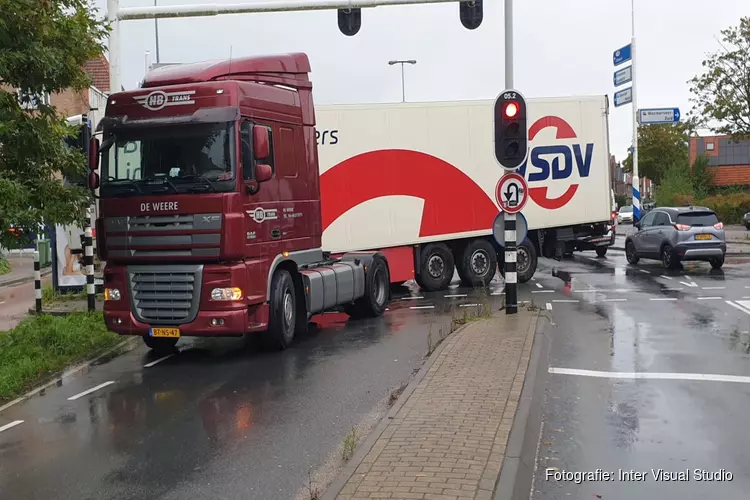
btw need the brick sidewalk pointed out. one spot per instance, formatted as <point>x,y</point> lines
<point>448,440</point>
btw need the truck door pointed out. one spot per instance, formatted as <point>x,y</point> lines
<point>294,194</point>
<point>262,208</point>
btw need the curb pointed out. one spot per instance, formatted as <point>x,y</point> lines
<point>363,449</point>
<point>517,472</point>
<point>57,378</point>
<point>27,279</point>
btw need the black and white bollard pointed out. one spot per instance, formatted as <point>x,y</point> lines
<point>88,260</point>
<point>511,254</point>
<point>37,283</point>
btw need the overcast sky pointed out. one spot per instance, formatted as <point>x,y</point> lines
<point>562,47</point>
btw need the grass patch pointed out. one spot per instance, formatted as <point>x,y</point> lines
<point>49,296</point>
<point>42,345</point>
<point>4,266</point>
<point>350,445</point>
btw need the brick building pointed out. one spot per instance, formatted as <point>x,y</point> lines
<point>729,160</point>
<point>622,181</point>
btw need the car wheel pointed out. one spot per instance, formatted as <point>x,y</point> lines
<point>630,254</point>
<point>667,257</point>
<point>717,263</point>
<point>747,226</point>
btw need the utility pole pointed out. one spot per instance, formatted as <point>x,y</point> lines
<point>402,62</point>
<point>511,249</point>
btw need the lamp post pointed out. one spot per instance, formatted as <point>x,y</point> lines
<point>403,88</point>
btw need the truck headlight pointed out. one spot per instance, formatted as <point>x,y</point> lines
<point>226,294</point>
<point>112,294</point>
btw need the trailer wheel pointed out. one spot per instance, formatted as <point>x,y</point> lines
<point>282,312</point>
<point>436,268</point>
<point>377,291</point>
<point>526,261</point>
<point>160,346</point>
<point>478,263</point>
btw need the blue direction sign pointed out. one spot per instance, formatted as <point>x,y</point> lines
<point>625,96</point>
<point>622,55</point>
<point>623,76</point>
<point>658,115</point>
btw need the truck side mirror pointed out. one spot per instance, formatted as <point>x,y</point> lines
<point>263,172</point>
<point>93,153</point>
<point>261,145</point>
<point>93,181</point>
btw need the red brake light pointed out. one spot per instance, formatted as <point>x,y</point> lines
<point>511,109</point>
<point>681,227</point>
<point>719,225</point>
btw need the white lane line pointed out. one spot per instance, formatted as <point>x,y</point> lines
<point>746,297</point>
<point>665,277</point>
<point>497,293</point>
<point>691,284</point>
<point>422,307</point>
<point>93,389</point>
<point>549,306</point>
<point>149,365</point>
<point>713,287</point>
<point>744,303</point>
<point>747,286</point>
<point>707,377</point>
<point>613,300</point>
<point>568,301</point>
<point>455,295</point>
<point>672,289</point>
<point>710,298</point>
<point>538,285</point>
<point>603,290</point>
<point>664,298</point>
<point>644,271</point>
<point>737,306</point>
<point>10,425</point>
<point>468,305</point>
<point>542,291</point>
<point>415,297</point>
<point>687,277</point>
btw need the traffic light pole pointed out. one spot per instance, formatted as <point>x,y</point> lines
<point>511,252</point>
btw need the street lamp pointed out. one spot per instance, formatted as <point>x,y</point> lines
<point>403,90</point>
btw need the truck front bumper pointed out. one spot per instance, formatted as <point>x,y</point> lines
<point>225,323</point>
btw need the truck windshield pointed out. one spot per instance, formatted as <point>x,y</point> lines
<point>182,158</point>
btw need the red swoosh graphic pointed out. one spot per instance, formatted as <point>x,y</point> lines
<point>453,202</point>
<point>539,195</point>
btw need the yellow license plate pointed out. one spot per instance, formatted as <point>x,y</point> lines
<point>165,332</point>
<point>702,236</point>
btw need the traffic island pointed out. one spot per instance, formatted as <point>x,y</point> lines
<point>448,435</point>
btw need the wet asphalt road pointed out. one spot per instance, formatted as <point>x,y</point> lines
<point>622,318</point>
<point>217,421</point>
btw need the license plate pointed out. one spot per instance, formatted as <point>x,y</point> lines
<point>164,332</point>
<point>702,236</point>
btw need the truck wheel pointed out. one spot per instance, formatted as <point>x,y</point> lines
<point>377,291</point>
<point>436,269</point>
<point>161,346</point>
<point>478,263</point>
<point>282,312</point>
<point>525,263</point>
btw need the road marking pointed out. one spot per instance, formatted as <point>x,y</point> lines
<point>672,289</point>
<point>570,301</point>
<point>149,365</point>
<point>665,277</point>
<point>709,298</point>
<point>621,290</point>
<point>713,287</point>
<point>549,306</point>
<point>412,297</point>
<point>708,377</point>
<point>468,305</point>
<point>737,306</point>
<point>497,293</point>
<point>542,291</point>
<point>687,277</point>
<point>10,425</point>
<point>744,303</point>
<point>93,389</point>
<point>538,285</point>
<point>664,298</point>
<point>691,284</point>
<point>455,295</point>
<point>746,297</point>
<point>644,271</point>
<point>422,307</point>
<point>613,300</point>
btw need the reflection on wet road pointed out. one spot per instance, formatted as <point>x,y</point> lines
<point>650,370</point>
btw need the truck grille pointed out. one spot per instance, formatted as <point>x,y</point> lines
<point>165,294</point>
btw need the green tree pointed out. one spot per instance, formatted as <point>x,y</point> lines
<point>702,178</point>
<point>721,94</point>
<point>45,44</point>
<point>660,147</point>
<point>676,183</point>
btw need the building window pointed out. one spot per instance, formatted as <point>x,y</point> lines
<point>34,101</point>
<point>709,146</point>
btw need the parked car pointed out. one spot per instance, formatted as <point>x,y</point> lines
<point>746,220</point>
<point>674,235</point>
<point>625,214</point>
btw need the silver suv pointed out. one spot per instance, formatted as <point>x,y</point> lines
<point>673,235</point>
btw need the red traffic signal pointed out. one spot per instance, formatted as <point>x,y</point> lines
<point>511,129</point>
<point>511,110</point>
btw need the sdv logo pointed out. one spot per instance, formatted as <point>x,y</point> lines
<point>546,162</point>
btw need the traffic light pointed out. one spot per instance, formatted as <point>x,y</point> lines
<point>511,129</point>
<point>471,13</point>
<point>350,20</point>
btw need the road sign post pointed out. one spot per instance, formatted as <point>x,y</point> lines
<point>511,193</point>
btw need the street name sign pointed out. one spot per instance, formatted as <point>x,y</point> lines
<point>623,76</point>
<point>625,96</point>
<point>658,115</point>
<point>622,55</point>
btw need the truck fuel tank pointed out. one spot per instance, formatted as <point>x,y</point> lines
<point>331,285</point>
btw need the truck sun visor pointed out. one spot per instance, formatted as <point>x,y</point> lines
<point>204,115</point>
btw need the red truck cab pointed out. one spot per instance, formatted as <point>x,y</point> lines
<point>209,217</point>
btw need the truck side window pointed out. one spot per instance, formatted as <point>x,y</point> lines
<point>248,162</point>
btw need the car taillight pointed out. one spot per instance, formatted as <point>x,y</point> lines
<point>719,225</point>
<point>681,227</point>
